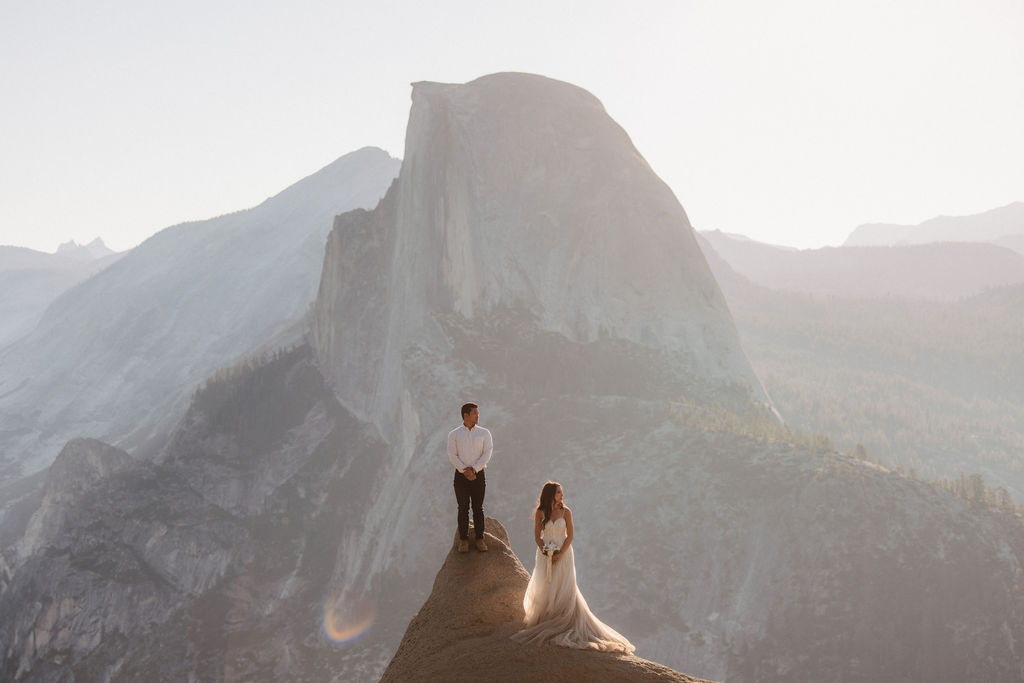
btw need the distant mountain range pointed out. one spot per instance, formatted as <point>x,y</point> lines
<point>30,280</point>
<point>935,387</point>
<point>93,250</point>
<point>117,356</point>
<point>940,271</point>
<point>1004,225</point>
<point>23,258</point>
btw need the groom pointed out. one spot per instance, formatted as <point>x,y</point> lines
<point>469,449</point>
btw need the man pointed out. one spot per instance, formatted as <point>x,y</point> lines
<point>469,449</point>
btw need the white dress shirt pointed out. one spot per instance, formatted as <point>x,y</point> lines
<point>469,447</point>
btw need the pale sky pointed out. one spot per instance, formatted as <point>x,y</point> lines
<point>790,121</point>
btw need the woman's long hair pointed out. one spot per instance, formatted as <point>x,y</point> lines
<point>547,500</point>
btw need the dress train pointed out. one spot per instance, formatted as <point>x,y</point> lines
<point>556,611</point>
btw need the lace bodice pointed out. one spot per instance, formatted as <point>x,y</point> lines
<point>554,530</point>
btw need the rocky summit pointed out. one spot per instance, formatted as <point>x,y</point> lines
<point>521,209</point>
<point>462,631</point>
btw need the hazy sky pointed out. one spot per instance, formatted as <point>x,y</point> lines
<point>788,121</point>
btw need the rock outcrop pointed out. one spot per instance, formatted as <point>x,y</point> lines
<point>81,465</point>
<point>114,558</point>
<point>462,631</point>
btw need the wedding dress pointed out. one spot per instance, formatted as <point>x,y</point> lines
<point>556,612</point>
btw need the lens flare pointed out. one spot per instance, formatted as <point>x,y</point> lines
<point>346,617</point>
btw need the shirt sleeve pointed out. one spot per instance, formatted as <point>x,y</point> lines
<point>453,452</point>
<point>482,461</point>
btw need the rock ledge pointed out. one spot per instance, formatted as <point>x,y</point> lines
<point>462,631</point>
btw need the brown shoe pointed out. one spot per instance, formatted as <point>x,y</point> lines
<point>463,545</point>
<point>480,545</point>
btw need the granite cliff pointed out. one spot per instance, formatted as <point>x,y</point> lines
<point>520,205</point>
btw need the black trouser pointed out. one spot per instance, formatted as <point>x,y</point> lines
<point>466,491</point>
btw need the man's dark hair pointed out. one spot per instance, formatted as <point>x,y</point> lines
<point>467,408</point>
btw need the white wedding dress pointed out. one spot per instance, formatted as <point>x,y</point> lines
<point>556,612</point>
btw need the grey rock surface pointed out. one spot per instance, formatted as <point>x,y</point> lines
<point>82,464</point>
<point>213,564</point>
<point>518,196</point>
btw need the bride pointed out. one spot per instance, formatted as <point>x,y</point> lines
<point>556,612</point>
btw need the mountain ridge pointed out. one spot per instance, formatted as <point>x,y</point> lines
<point>116,356</point>
<point>941,271</point>
<point>988,226</point>
<point>31,280</point>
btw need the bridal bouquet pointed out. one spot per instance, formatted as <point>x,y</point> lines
<point>549,550</point>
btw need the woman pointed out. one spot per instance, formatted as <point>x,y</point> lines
<point>555,609</point>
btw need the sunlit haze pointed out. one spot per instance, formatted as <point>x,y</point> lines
<point>791,122</point>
